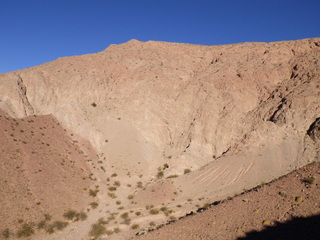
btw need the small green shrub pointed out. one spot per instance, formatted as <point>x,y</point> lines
<point>186,171</point>
<point>130,197</point>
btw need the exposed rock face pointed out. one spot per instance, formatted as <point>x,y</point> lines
<point>179,97</point>
<point>245,113</point>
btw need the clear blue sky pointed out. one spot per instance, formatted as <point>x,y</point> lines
<point>37,31</point>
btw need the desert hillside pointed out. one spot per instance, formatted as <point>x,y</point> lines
<point>143,126</point>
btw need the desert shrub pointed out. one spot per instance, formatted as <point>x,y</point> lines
<point>102,221</point>
<point>93,193</point>
<point>186,171</point>
<point>112,188</point>
<point>126,221</point>
<point>309,180</point>
<point>42,224</point>
<point>114,175</point>
<point>70,214</point>
<point>26,230</point>
<point>117,183</point>
<point>139,185</point>
<point>154,211</point>
<point>160,174</point>
<point>130,197</point>
<point>57,225</point>
<point>93,104</point>
<point>94,205</point>
<point>6,233</point>
<point>298,199</point>
<point>47,217</point>
<point>112,195</point>
<point>118,202</point>
<point>97,229</point>
<point>135,226</point>
<point>173,176</point>
<point>166,165</point>
<point>116,230</point>
<point>81,216</point>
<point>138,213</point>
<point>152,224</point>
<point>124,215</point>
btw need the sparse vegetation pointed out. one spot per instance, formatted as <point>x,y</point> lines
<point>93,104</point>
<point>186,171</point>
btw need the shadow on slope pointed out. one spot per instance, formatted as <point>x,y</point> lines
<point>297,228</point>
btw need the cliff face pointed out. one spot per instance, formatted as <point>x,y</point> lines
<point>245,113</point>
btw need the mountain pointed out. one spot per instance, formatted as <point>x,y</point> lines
<point>153,123</point>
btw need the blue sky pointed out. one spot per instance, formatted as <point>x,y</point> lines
<point>38,31</point>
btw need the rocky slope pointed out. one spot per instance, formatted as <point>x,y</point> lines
<point>172,121</point>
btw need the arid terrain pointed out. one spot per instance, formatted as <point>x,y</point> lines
<point>120,142</point>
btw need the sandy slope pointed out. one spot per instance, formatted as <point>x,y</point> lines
<point>265,209</point>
